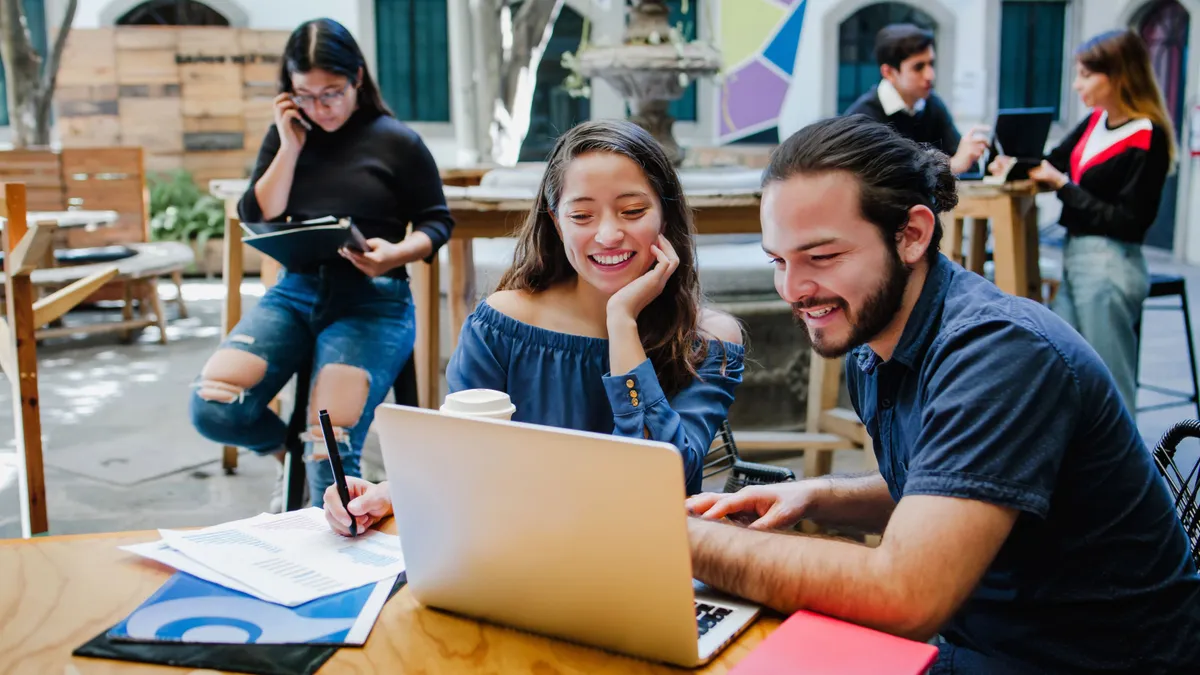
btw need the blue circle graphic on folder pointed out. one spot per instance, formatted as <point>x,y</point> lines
<point>187,609</point>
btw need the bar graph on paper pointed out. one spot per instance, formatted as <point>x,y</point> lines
<point>299,575</point>
<point>292,557</point>
<point>369,558</point>
<point>232,538</point>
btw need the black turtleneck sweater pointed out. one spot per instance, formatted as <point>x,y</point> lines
<point>374,169</point>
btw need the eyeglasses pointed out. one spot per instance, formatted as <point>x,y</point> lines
<point>328,99</point>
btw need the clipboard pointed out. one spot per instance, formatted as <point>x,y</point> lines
<point>297,245</point>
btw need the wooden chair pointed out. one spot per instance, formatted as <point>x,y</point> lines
<point>723,455</point>
<point>25,247</point>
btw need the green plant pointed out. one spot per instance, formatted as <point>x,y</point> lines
<point>179,211</point>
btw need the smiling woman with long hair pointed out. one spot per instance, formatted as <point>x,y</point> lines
<point>1109,173</point>
<point>599,324</point>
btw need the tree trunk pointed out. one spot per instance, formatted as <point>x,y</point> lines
<point>505,78</point>
<point>30,84</point>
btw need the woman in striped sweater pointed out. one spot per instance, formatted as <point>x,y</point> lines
<point>1109,174</point>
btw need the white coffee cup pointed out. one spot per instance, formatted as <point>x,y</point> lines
<point>487,403</point>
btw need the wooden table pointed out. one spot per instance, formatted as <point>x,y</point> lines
<point>60,592</point>
<point>1012,211</point>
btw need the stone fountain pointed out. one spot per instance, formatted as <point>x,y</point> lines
<point>650,69</point>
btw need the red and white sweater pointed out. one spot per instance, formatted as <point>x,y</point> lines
<point>1117,176</point>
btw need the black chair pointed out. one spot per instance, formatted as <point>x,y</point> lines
<point>1168,286</point>
<point>724,457</point>
<point>1184,486</point>
<point>404,389</point>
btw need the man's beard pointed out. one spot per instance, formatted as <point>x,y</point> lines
<point>876,313</point>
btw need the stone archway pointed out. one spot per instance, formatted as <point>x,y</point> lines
<point>1164,26</point>
<point>117,10</point>
<point>858,70</point>
<point>942,17</point>
<point>1132,14</point>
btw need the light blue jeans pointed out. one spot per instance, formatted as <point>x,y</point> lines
<point>1105,282</point>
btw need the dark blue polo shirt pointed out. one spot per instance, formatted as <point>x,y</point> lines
<point>994,398</point>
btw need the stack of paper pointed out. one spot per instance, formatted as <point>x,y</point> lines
<point>288,559</point>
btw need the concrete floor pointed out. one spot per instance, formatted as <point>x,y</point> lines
<point>120,453</point>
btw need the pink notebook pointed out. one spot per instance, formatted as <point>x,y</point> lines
<point>814,644</point>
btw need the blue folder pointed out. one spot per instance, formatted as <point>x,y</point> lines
<point>191,610</point>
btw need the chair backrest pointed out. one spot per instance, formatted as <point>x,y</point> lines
<point>108,179</point>
<point>1184,483</point>
<point>723,455</point>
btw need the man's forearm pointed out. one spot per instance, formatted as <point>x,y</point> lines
<point>861,501</point>
<point>789,573</point>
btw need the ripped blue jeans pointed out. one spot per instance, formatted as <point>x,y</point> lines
<point>334,317</point>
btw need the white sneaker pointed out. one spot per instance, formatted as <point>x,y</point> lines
<point>276,504</point>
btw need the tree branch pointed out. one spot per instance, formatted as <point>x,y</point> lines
<point>15,33</point>
<point>50,72</point>
<point>532,26</point>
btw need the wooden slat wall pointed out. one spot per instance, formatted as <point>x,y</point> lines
<point>86,93</point>
<point>196,97</point>
<point>149,101</point>
<point>41,172</point>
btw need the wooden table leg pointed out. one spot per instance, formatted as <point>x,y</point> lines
<point>18,290</point>
<point>427,354</point>
<point>824,382</point>
<point>952,239</point>
<point>978,245</point>
<point>1009,256</point>
<point>1033,248</point>
<point>462,286</point>
<point>231,312</point>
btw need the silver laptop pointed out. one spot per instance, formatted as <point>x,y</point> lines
<point>570,534</point>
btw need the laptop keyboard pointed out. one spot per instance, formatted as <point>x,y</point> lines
<point>708,616</point>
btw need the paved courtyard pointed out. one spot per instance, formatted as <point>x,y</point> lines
<point>120,453</point>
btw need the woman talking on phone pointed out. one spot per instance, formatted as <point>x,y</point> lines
<point>335,149</point>
<point>1109,174</point>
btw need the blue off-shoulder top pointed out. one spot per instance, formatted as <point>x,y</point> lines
<point>563,380</point>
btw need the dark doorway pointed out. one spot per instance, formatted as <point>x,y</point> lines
<point>1164,27</point>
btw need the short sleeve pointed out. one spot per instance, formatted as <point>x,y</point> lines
<point>479,361</point>
<point>1001,404</point>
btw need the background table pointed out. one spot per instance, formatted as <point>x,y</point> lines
<point>1011,209</point>
<point>60,592</point>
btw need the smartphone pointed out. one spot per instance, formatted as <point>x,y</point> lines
<point>302,121</point>
<point>356,241</point>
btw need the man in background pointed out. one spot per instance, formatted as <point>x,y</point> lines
<point>905,100</point>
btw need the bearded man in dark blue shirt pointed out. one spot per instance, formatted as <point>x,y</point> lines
<point>1024,523</point>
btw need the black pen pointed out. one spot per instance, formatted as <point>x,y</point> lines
<point>339,476</point>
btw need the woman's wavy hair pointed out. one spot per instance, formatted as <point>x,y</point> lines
<point>669,326</point>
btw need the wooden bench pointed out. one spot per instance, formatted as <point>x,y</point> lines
<point>138,275</point>
<point>101,178</point>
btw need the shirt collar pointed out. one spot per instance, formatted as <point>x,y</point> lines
<point>893,103</point>
<point>920,328</point>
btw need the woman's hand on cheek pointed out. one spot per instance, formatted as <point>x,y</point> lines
<point>629,302</point>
